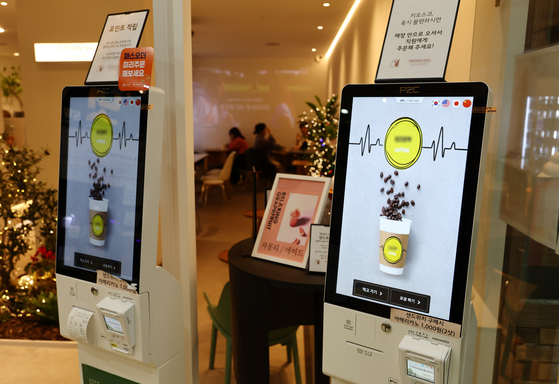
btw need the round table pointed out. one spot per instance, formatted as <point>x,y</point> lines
<point>267,296</point>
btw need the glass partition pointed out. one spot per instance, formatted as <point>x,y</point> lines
<point>527,338</point>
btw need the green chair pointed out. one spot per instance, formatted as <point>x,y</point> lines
<point>221,318</point>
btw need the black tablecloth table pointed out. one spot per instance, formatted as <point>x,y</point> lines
<point>267,296</point>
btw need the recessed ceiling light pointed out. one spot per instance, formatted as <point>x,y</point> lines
<point>320,27</point>
<point>326,4</point>
<point>16,53</point>
<point>314,49</point>
<point>2,30</point>
<point>3,3</point>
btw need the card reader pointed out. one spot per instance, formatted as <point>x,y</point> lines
<point>118,317</point>
<point>423,362</point>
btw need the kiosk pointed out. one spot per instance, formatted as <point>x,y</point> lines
<point>403,233</point>
<point>125,312</point>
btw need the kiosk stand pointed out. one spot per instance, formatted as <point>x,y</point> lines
<point>403,233</point>
<point>125,312</point>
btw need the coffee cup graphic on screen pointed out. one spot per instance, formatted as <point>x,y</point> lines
<point>98,221</point>
<point>394,235</point>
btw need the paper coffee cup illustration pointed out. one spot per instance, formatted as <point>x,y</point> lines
<point>394,235</point>
<point>98,221</point>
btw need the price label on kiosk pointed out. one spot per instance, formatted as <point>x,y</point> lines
<point>397,300</point>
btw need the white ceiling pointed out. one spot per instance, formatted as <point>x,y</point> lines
<point>8,39</point>
<point>241,28</point>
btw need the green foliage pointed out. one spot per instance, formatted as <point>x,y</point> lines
<point>11,84</point>
<point>323,133</point>
<point>5,311</point>
<point>43,306</point>
<point>26,205</point>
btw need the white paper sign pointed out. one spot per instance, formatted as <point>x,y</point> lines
<point>77,324</point>
<point>318,248</point>
<point>120,31</point>
<point>426,323</point>
<point>108,280</point>
<point>417,40</point>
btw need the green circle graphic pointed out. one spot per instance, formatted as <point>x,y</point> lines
<point>97,225</point>
<point>101,135</point>
<point>392,250</point>
<point>403,143</point>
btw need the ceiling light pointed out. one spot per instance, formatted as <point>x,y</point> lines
<point>320,27</point>
<point>16,53</point>
<point>326,4</point>
<point>2,30</point>
<point>3,3</point>
<point>314,49</point>
<point>343,27</point>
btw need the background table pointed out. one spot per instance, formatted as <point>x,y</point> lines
<point>267,296</point>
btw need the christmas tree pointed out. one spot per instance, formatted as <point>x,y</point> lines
<point>323,133</point>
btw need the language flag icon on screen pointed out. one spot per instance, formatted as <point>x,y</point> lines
<point>436,103</point>
<point>456,103</point>
<point>446,103</point>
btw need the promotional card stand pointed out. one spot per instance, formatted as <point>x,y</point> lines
<point>124,311</point>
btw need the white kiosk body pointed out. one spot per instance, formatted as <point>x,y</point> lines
<point>402,236</point>
<point>124,311</point>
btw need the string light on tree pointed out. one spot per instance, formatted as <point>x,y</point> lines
<point>323,135</point>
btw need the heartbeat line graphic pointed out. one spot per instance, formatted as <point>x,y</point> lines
<point>122,139</point>
<point>78,135</point>
<point>440,142</point>
<point>365,142</point>
<point>436,145</point>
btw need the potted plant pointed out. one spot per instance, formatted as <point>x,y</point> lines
<point>10,82</point>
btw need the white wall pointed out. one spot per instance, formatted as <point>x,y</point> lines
<point>242,92</point>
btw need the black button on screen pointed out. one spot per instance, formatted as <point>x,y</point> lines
<point>410,300</point>
<point>370,291</point>
<point>95,263</point>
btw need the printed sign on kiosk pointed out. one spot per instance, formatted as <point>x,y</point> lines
<point>397,298</point>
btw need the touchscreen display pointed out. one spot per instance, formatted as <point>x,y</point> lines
<point>100,187</point>
<point>404,184</point>
<point>113,324</point>
<point>421,371</point>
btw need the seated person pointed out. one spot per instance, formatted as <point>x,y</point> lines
<point>264,143</point>
<point>302,141</point>
<point>239,145</point>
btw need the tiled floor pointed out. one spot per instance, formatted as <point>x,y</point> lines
<point>221,227</point>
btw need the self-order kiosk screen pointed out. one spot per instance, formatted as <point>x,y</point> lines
<point>403,200</point>
<point>101,179</point>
